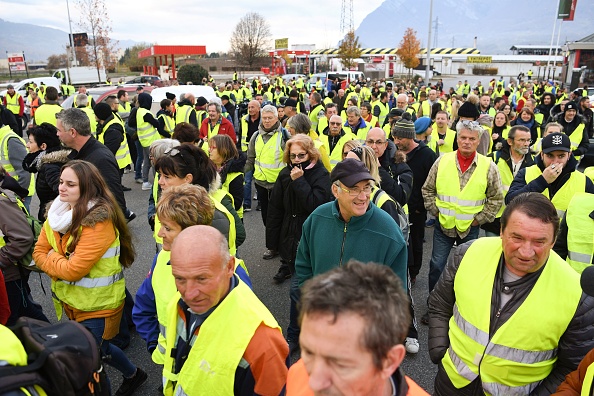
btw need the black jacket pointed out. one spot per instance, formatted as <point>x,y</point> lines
<point>396,177</point>
<point>576,341</point>
<point>539,184</point>
<point>420,160</point>
<point>236,186</point>
<point>291,202</point>
<point>47,164</point>
<point>100,156</point>
<point>113,136</point>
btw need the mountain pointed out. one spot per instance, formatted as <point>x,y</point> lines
<point>37,42</point>
<point>497,24</point>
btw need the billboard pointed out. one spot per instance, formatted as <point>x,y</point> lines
<point>281,43</point>
<point>479,59</point>
<point>16,61</point>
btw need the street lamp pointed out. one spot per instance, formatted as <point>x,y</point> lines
<point>71,39</point>
<point>429,44</point>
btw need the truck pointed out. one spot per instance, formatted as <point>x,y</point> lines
<point>81,75</point>
<point>21,86</point>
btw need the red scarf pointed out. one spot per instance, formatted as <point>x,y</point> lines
<point>465,162</point>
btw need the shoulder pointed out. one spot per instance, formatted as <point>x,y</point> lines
<point>96,215</point>
<point>55,157</point>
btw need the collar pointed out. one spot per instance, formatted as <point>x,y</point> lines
<point>356,222</point>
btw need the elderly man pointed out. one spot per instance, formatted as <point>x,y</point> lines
<point>90,100</point>
<point>82,101</point>
<point>512,157</point>
<point>265,159</point>
<point>463,188</point>
<point>290,108</point>
<point>553,174</point>
<point>508,316</point>
<point>216,124</point>
<point>323,123</point>
<point>345,314</point>
<point>334,137</point>
<point>356,124</point>
<point>185,111</point>
<point>199,358</point>
<point>249,125</point>
<point>396,176</point>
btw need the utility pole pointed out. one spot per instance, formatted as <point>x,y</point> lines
<point>427,67</point>
<point>71,37</point>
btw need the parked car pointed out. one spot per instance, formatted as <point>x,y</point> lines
<point>146,80</point>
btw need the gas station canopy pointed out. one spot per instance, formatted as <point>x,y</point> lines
<point>161,51</point>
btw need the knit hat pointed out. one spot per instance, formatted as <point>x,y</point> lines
<point>201,101</point>
<point>403,129</point>
<point>169,95</point>
<point>556,142</point>
<point>350,172</point>
<point>102,111</point>
<point>291,102</point>
<point>468,110</point>
<point>421,124</point>
<point>570,106</point>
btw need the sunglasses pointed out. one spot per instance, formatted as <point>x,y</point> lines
<point>300,156</point>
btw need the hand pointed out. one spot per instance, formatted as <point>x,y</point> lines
<point>474,223</point>
<point>495,136</point>
<point>296,173</point>
<point>552,172</point>
<point>440,142</point>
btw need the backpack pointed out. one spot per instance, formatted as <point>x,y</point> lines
<point>27,260</point>
<point>63,359</point>
<point>402,215</point>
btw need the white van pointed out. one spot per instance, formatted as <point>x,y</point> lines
<point>348,75</point>
<point>21,85</point>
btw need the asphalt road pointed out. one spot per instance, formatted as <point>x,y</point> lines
<point>275,297</point>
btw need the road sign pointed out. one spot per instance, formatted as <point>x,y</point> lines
<point>282,43</point>
<point>479,59</point>
<point>15,57</point>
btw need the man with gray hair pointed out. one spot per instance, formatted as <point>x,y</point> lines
<point>216,124</point>
<point>463,190</point>
<point>265,158</point>
<point>82,101</point>
<point>356,123</point>
<point>185,110</point>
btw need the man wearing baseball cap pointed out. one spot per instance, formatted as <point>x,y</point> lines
<point>554,174</point>
<point>574,126</point>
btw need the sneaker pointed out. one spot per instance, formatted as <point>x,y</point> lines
<point>127,170</point>
<point>247,208</point>
<point>282,275</point>
<point>425,318</point>
<point>131,216</point>
<point>146,186</point>
<point>270,254</point>
<point>430,223</point>
<point>139,181</point>
<point>411,345</point>
<point>129,385</point>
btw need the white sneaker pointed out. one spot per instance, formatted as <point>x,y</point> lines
<point>411,345</point>
<point>146,186</point>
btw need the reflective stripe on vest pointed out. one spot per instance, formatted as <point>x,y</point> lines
<point>217,197</point>
<point>575,184</point>
<point>507,177</point>
<point>102,288</point>
<point>168,121</point>
<point>580,231</point>
<point>523,351</point>
<point>336,154</point>
<point>12,103</point>
<point>207,370</point>
<point>576,138</point>
<point>164,289</point>
<point>5,135</point>
<point>269,157</point>
<point>147,133</point>
<point>457,208</point>
<point>122,155</point>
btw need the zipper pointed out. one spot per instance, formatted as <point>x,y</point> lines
<point>342,246</point>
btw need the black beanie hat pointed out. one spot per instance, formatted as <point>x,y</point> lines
<point>102,111</point>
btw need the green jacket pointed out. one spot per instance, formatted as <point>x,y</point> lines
<point>328,242</point>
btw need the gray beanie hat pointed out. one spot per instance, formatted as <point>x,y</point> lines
<point>404,129</point>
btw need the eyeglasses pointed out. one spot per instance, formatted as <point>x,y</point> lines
<point>370,142</point>
<point>300,156</point>
<point>335,123</point>
<point>355,191</point>
<point>524,141</point>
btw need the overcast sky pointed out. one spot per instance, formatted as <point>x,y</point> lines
<point>198,22</point>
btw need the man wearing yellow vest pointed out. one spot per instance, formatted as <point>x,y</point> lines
<point>334,136</point>
<point>340,309</point>
<point>206,353</point>
<point>14,102</point>
<point>185,111</point>
<point>463,189</point>
<point>82,101</point>
<point>574,126</point>
<point>513,156</point>
<point>48,110</point>
<point>265,158</point>
<point>316,109</point>
<point>83,90</point>
<point>356,124</point>
<point>553,174</point>
<point>508,316</point>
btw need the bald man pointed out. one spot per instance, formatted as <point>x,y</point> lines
<point>218,307</point>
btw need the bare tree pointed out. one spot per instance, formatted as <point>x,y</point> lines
<point>57,61</point>
<point>250,38</point>
<point>96,23</point>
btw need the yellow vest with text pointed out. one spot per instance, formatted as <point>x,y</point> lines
<point>102,288</point>
<point>269,158</point>
<point>147,133</point>
<point>12,103</point>
<point>580,231</point>
<point>523,351</point>
<point>575,184</point>
<point>458,208</point>
<point>212,362</point>
<point>336,154</point>
<point>122,156</point>
<point>5,134</point>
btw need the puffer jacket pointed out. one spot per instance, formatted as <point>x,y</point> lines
<point>396,175</point>
<point>291,202</point>
<point>47,165</point>
<point>577,340</point>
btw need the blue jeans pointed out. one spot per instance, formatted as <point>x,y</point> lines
<point>111,354</point>
<point>139,160</point>
<point>27,202</point>
<point>295,295</point>
<point>442,244</point>
<point>21,303</point>
<point>247,189</point>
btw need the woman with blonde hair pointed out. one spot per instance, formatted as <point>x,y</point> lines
<point>302,186</point>
<point>301,124</point>
<point>84,247</point>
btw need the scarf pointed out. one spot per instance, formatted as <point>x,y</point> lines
<point>271,129</point>
<point>528,124</point>
<point>59,215</point>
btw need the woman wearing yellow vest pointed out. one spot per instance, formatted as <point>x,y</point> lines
<point>189,164</point>
<point>230,163</point>
<point>499,130</point>
<point>179,207</point>
<point>84,247</point>
<point>301,124</point>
